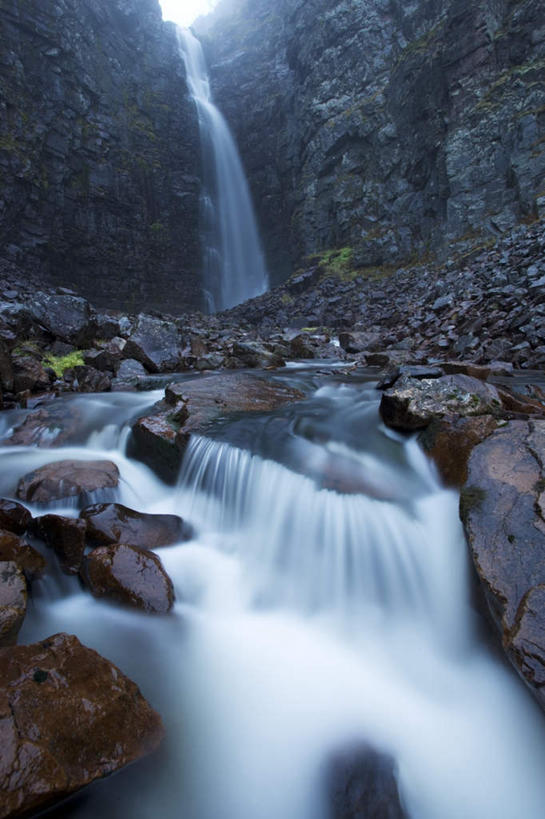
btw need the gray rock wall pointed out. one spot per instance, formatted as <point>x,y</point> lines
<point>99,152</point>
<point>390,127</point>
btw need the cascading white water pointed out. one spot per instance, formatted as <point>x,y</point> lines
<point>233,263</point>
<point>305,620</point>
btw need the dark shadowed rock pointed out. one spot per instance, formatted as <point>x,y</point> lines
<point>361,784</point>
<point>103,360</point>
<point>13,599</point>
<point>300,347</point>
<point>29,374</point>
<point>66,536</point>
<point>16,550</point>
<point>14,516</point>
<point>67,479</point>
<point>113,523</point>
<point>66,317</point>
<point>155,343</point>
<point>6,368</point>
<point>358,342</point>
<point>466,368</point>
<point>190,407</point>
<point>503,510</point>
<point>130,576</point>
<point>411,403</point>
<point>67,717</point>
<point>450,441</point>
<point>87,379</point>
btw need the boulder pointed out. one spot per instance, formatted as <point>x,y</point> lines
<point>361,782</point>
<point>68,479</point>
<point>502,507</point>
<point>14,516</point>
<point>450,440</point>
<point>67,717</point>
<point>130,576</point>
<point>129,373</point>
<point>6,369</point>
<point>66,536</point>
<point>29,374</point>
<point>155,343</point>
<point>301,348</point>
<point>114,523</point>
<point>466,368</point>
<point>16,550</point>
<point>412,403</point>
<point>87,379</point>
<point>47,426</point>
<point>191,407</point>
<point>67,317</point>
<point>13,600</point>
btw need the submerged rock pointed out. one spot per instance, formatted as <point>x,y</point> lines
<point>13,600</point>
<point>503,510</point>
<point>128,575</point>
<point>114,523</point>
<point>67,717</point>
<point>67,479</point>
<point>361,784</point>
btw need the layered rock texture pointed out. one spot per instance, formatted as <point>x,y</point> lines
<point>99,152</point>
<point>392,128</point>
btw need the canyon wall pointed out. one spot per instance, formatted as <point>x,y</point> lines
<point>99,152</point>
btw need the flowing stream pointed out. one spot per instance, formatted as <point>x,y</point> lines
<point>324,601</point>
<point>233,263</point>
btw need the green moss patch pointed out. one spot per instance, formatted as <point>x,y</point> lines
<point>61,363</point>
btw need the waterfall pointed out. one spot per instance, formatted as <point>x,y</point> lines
<point>233,264</point>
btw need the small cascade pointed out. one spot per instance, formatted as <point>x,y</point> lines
<point>233,263</point>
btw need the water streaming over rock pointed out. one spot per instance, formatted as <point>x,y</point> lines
<point>306,620</point>
<point>233,264</point>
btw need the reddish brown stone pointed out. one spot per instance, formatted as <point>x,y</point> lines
<point>66,479</point>
<point>128,575</point>
<point>13,599</point>
<point>114,523</point>
<point>14,516</point>
<point>67,717</point>
<point>466,368</point>
<point>450,441</point>
<point>66,536</point>
<point>28,559</point>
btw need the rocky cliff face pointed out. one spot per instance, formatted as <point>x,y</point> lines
<point>99,152</point>
<point>394,128</point>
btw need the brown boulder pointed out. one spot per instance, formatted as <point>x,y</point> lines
<point>67,717</point>
<point>466,368</point>
<point>503,510</point>
<point>66,536</point>
<point>128,575</point>
<point>412,403</point>
<point>114,523</point>
<point>67,479</point>
<point>14,516</point>
<point>191,407</point>
<point>49,426</point>
<point>449,441</point>
<point>13,599</point>
<point>28,559</point>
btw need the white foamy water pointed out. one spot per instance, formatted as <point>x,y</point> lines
<point>305,620</point>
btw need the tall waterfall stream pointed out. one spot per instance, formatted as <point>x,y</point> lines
<point>306,619</point>
<point>233,263</point>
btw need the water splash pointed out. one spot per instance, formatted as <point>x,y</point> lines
<point>233,264</point>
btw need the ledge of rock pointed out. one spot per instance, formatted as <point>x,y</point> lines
<point>130,576</point>
<point>67,479</point>
<point>503,510</point>
<point>190,407</point>
<point>114,523</point>
<point>67,717</point>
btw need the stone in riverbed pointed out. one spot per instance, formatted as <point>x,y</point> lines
<point>28,559</point>
<point>130,576</point>
<point>67,479</point>
<point>114,523</point>
<point>14,516</point>
<point>450,440</point>
<point>503,510</point>
<point>362,783</point>
<point>67,717</point>
<point>13,600</point>
<point>155,343</point>
<point>66,536</point>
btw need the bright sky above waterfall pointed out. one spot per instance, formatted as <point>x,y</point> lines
<point>184,12</point>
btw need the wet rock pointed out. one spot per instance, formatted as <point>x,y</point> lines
<point>102,360</point>
<point>28,374</point>
<point>13,600</point>
<point>114,523</point>
<point>450,441</point>
<point>503,510</point>
<point>87,379</point>
<point>300,347</point>
<point>14,516</point>
<point>48,426</point>
<point>68,479</point>
<point>466,368</point>
<point>390,376</point>
<point>66,317</point>
<point>130,576</point>
<point>411,403</point>
<point>155,343</point>
<point>66,536</point>
<point>129,374</point>
<point>191,407</point>
<point>362,783</point>
<point>16,550</point>
<point>67,717</point>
